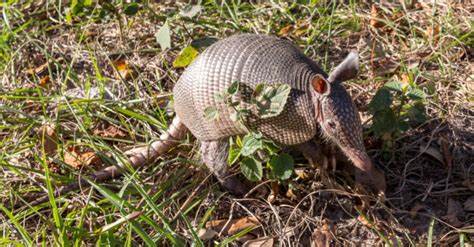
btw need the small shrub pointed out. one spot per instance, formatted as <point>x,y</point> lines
<point>395,108</point>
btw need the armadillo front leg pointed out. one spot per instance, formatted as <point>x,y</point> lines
<point>214,155</point>
<point>312,152</point>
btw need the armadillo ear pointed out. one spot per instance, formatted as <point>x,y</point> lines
<point>346,70</point>
<point>320,84</point>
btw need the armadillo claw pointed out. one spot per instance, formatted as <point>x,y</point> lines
<point>373,180</point>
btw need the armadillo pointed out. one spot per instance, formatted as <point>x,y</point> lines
<point>316,102</point>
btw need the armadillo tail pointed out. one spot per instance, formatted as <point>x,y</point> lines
<point>168,140</point>
<point>137,158</point>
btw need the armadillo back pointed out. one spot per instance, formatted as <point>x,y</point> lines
<point>250,59</point>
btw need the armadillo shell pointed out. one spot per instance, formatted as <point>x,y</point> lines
<point>250,59</point>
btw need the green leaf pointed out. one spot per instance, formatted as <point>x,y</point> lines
<point>384,122</point>
<point>211,113</point>
<point>233,88</point>
<point>417,113</point>
<point>234,155</point>
<point>282,166</point>
<point>403,126</point>
<point>131,9</point>
<point>190,11</point>
<point>250,144</point>
<point>394,86</point>
<point>185,57</point>
<point>163,36</point>
<point>252,169</point>
<point>416,94</point>
<point>381,101</point>
<point>270,100</point>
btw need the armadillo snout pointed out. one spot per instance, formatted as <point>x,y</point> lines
<point>341,123</point>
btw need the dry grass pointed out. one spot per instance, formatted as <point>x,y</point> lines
<point>429,168</point>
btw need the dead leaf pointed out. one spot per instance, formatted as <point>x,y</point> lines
<point>53,167</point>
<point>374,16</point>
<point>405,80</point>
<point>206,234</point>
<point>323,236</point>
<point>454,208</point>
<point>291,194</point>
<point>41,69</point>
<point>448,158</point>
<point>123,69</point>
<point>38,70</point>
<point>110,131</point>
<point>364,221</point>
<point>285,31</point>
<point>275,191</point>
<point>434,153</point>
<point>302,174</point>
<point>415,209</point>
<point>48,139</point>
<point>78,159</point>
<point>44,81</point>
<point>469,204</point>
<point>234,226</point>
<point>432,32</point>
<point>261,242</point>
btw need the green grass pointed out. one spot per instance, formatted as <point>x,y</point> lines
<point>169,202</point>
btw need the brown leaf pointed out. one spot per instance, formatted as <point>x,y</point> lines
<point>448,158</point>
<point>291,194</point>
<point>433,152</point>
<point>38,70</point>
<point>364,221</point>
<point>110,131</point>
<point>374,16</point>
<point>323,236</point>
<point>432,32</point>
<point>234,226</point>
<point>285,31</point>
<point>44,81</point>
<point>415,209</point>
<point>123,70</point>
<point>469,204</point>
<point>405,81</point>
<point>78,159</point>
<point>302,174</point>
<point>261,242</point>
<point>48,139</point>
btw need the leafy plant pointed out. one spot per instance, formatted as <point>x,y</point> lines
<point>267,101</point>
<point>395,107</point>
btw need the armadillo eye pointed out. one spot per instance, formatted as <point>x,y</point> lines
<point>331,124</point>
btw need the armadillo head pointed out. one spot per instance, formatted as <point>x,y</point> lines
<point>340,121</point>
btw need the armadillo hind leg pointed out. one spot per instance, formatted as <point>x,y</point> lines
<point>214,155</point>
